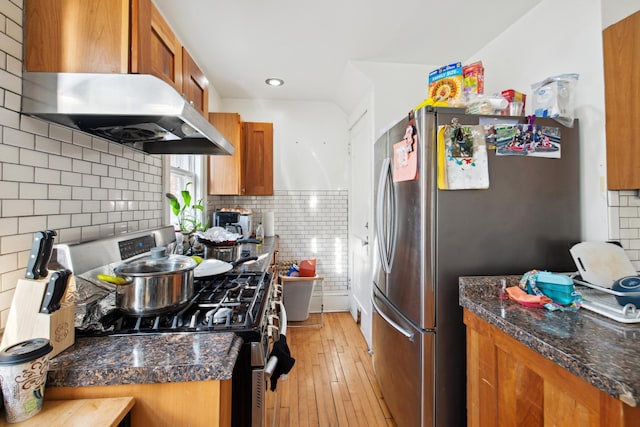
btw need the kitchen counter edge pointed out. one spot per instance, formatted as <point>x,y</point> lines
<point>598,350</point>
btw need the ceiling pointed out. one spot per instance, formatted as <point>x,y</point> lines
<point>310,44</point>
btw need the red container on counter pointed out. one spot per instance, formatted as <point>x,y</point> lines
<point>514,95</point>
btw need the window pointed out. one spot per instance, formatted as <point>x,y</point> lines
<point>183,169</point>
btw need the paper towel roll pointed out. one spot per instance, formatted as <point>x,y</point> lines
<point>268,222</point>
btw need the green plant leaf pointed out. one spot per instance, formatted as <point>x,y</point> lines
<point>175,204</point>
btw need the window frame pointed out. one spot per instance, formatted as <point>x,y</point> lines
<point>197,175</point>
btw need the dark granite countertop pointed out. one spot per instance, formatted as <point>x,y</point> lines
<point>154,358</point>
<point>599,350</point>
<point>143,359</point>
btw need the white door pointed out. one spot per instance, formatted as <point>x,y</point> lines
<point>360,218</point>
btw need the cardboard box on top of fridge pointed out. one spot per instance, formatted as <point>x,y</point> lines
<point>513,95</point>
<point>445,83</point>
<point>473,77</point>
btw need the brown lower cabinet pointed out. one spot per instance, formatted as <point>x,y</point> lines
<point>197,403</point>
<point>508,384</point>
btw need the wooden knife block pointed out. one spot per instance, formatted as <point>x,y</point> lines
<point>26,322</point>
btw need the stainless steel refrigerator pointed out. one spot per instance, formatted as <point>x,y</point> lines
<point>425,238</point>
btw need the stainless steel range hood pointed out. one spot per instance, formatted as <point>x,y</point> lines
<point>137,110</point>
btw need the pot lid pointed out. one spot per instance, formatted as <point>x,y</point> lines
<point>156,264</point>
<point>25,351</point>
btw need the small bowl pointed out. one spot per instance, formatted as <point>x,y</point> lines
<point>627,284</point>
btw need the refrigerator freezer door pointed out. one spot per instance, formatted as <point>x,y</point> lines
<point>403,365</point>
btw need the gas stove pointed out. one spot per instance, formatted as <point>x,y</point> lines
<point>231,302</point>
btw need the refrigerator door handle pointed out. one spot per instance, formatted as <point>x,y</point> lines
<point>385,235</point>
<point>408,334</point>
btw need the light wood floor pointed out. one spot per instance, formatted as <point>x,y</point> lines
<point>332,381</point>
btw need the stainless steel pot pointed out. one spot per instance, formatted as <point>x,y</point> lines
<point>155,284</point>
<point>225,251</point>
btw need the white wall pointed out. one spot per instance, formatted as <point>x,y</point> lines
<point>556,37</point>
<point>310,141</point>
<point>397,88</point>
<point>615,10</point>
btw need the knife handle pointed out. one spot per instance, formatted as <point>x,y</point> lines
<point>46,253</point>
<point>60,289</point>
<point>45,306</point>
<point>33,264</point>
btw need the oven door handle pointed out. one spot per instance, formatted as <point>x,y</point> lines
<point>273,360</point>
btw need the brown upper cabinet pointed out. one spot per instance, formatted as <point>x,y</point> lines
<point>195,84</point>
<point>249,172</point>
<point>109,36</point>
<point>621,52</point>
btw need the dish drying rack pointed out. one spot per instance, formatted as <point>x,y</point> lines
<point>603,301</point>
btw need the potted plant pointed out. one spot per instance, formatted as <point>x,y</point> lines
<point>190,216</point>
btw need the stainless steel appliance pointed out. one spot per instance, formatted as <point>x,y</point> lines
<point>235,221</point>
<point>137,110</point>
<point>425,238</point>
<point>244,302</point>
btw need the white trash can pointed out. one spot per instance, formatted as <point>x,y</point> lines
<point>297,293</point>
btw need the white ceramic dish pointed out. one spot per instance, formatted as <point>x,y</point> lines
<point>211,267</point>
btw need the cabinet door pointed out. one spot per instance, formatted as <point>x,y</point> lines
<point>257,155</point>
<point>154,49</point>
<point>621,44</point>
<point>225,171</point>
<point>195,84</point>
<point>78,36</point>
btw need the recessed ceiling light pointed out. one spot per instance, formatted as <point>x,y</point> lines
<point>274,82</point>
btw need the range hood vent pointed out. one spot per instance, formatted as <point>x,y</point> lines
<point>137,110</point>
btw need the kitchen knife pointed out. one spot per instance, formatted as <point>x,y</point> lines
<point>46,253</point>
<point>55,290</point>
<point>45,307</point>
<point>33,264</point>
<point>60,289</point>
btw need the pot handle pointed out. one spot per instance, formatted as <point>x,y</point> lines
<point>248,241</point>
<point>243,260</point>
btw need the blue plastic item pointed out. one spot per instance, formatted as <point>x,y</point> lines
<point>558,287</point>
<point>627,284</point>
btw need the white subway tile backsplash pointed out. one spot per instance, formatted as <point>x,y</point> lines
<point>9,190</point>
<point>90,206</point>
<point>33,158</point>
<point>9,154</point>
<point>15,243</point>
<point>48,145</point>
<point>81,166</point>
<point>32,125</point>
<point>12,101</point>
<point>99,194</point>
<point>70,178</point>
<point>91,232</point>
<point>13,12</point>
<point>70,206</point>
<point>107,205</point>
<point>90,155</point>
<point>107,182</point>
<point>107,159</point>
<point>82,139</point>
<point>99,218</point>
<point>46,207</point>
<point>18,208</point>
<point>98,169</point>
<point>81,193</point>
<point>8,226</point>
<point>90,181</point>
<point>69,235</point>
<point>60,162</point>
<point>56,222</point>
<point>11,172</point>
<point>100,144</point>
<point>60,192</point>
<point>18,138</point>
<point>72,151</point>
<point>80,220</point>
<point>9,118</point>
<point>60,133</point>
<point>47,176</point>
<point>31,224</point>
<point>8,262</point>
<point>33,191</point>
